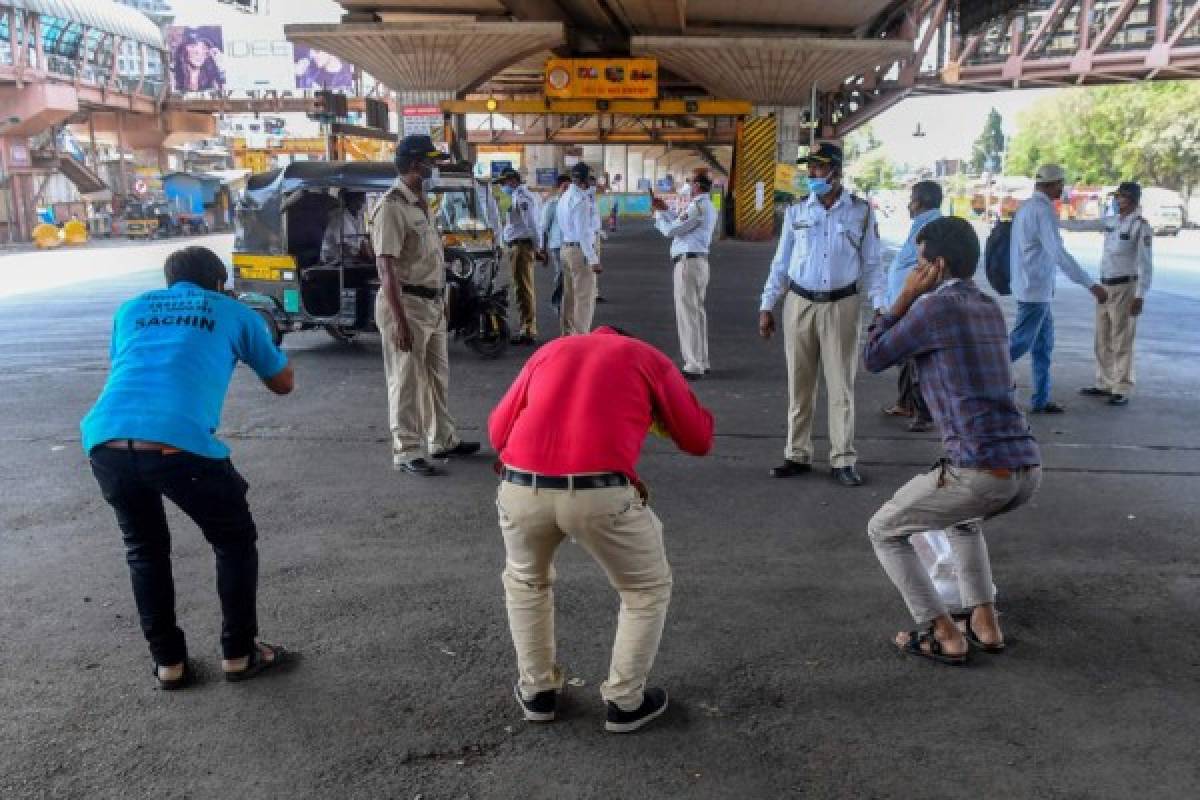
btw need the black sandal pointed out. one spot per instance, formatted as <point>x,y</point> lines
<point>913,648</point>
<point>256,664</point>
<point>969,633</point>
<point>182,682</point>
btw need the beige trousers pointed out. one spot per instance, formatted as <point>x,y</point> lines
<point>520,259</point>
<point>821,338</point>
<point>626,538</point>
<point>957,500</point>
<point>418,413</point>
<point>691,284</point>
<point>1115,332</point>
<point>579,292</point>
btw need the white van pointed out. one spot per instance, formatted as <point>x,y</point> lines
<point>1163,209</point>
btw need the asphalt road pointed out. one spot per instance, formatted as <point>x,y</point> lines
<point>777,647</point>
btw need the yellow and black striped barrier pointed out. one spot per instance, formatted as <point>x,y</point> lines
<point>754,185</point>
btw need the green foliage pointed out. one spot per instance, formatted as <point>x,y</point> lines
<point>873,171</point>
<point>1149,132</point>
<point>990,143</point>
<point>859,143</point>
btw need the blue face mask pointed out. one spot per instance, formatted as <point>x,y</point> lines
<point>819,186</point>
<point>508,190</point>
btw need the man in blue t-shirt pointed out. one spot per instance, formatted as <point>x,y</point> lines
<point>152,434</point>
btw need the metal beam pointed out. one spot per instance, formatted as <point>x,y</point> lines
<point>644,108</point>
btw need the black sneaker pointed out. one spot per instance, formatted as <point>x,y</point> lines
<point>460,449</point>
<point>654,703</point>
<point>541,708</point>
<point>417,466</point>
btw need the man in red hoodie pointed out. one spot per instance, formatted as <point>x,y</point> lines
<point>569,433</point>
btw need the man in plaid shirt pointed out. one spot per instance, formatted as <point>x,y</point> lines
<point>957,335</point>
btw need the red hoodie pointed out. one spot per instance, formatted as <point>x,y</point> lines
<point>584,404</point>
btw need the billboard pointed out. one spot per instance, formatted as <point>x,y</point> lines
<point>602,78</point>
<point>316,69</point>
<point>197,58</point>
<point>426,120</point>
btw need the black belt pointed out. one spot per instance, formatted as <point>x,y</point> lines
<point>606,481</point>
<point>1119,281</point>
<point>682,256</point>
<point>424,292</point>
<point>571,244</point>
<point>825,297</point>
<point>521,241</point>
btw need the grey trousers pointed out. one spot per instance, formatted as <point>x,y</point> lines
<point>957,500</point>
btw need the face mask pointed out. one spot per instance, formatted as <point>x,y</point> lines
<point>819,186</point>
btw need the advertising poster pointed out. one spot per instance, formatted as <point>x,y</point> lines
<point>424,120</point>
<point>316,69</point>
<point>602,78</point>
<point>197,58</point>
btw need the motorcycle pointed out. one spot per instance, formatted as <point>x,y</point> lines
<point>476,309</point>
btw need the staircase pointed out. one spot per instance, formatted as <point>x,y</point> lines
<point>86,181</point>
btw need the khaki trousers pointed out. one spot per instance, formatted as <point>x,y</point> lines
<point>821,338</point>
<point>957,500</point>
<point>625,537</point>
<point>691,284</point>
<point>520,259</point>
<point>579,292</point>
<point>1116,328</point>
<point>418,413</point>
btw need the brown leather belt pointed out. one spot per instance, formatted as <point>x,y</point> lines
<point>142,446</point>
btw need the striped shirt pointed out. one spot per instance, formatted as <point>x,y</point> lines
<point>958,338</point>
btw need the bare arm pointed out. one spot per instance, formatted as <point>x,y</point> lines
<point>283,382</point>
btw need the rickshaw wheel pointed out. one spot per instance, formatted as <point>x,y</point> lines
<point>272,326</point>
<point>493,342</point>
<point>343,333</point>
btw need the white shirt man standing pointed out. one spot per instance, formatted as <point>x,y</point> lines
<point>1037,252</point>
<point>1125,272</point>
<point>691,236</point>
<point>522,242</point>
<point>576,215</point>
<point>828,253</point>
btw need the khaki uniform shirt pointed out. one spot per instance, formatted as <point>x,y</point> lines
<point>402,227</point>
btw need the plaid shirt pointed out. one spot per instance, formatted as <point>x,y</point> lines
<point>958,338</point>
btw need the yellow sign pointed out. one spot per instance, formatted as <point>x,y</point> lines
<point>602,78</point>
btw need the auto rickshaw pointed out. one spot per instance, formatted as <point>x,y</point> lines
<point>279,268</point>
<point>147,220</point>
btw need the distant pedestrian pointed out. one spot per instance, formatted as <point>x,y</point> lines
<point>992,462</point>
<point>691,234</point>
<point>1125,271</point>
<point>151,434</point>
<point>1037,253</point>
<point>828,254</point>
<point>576,215</point>
<point>924,206</point>
<point>569,432</point>
<point>552,240</point>
<point>522,242</point>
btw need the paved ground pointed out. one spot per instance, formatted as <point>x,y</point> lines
<point>776,652</point>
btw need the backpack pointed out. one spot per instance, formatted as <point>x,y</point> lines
<point>995,257</point>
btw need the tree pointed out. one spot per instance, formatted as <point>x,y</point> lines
<point>1149,132</point>
<point>859,143</point>
<point>987,150</point>
<point>873,171</point>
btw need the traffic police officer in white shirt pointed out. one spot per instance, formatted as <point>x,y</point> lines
<point>828,257</point>
<point>576,219</point>
<point>523,242</point>
<point>1125,271</point>
<point>691,235</point>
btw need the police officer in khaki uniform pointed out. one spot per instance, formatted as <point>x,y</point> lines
<point>411,315</point>
<point>1125,271</point>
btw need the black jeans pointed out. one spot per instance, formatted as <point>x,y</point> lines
<point>213,494</point>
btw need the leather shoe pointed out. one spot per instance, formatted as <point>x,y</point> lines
<point>1118,400</point>
<point>847,476</point>
<point>1050,408</point>
<point>692,376</point>
<point>789,468</point>
<point>1094,391</point>
<point>418,466</point>
<point>460,449</point>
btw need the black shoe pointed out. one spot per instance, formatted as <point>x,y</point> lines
<point>789,468</point>
<point>601,298</point>
<point>523,339</point>
<point>1050,408</point>
<point>460,449</point>
<point>847,476</point>
<point>1094,391</point>
<point>692,376</point>
<point>418,466</point>
<point>541,708</point>
<point>1118,400</point>
<point>654,703</point>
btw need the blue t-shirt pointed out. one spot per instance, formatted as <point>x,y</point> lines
<point>173,352</point>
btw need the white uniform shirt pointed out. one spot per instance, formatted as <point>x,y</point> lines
<point>551,233</point>
<point>523,218</point>
<point>345,233</point>
<point>823,250</point>
<point>1037,250</point>
<point>576,217</point>
<point>691,231</point>
<point>1128,247</point>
